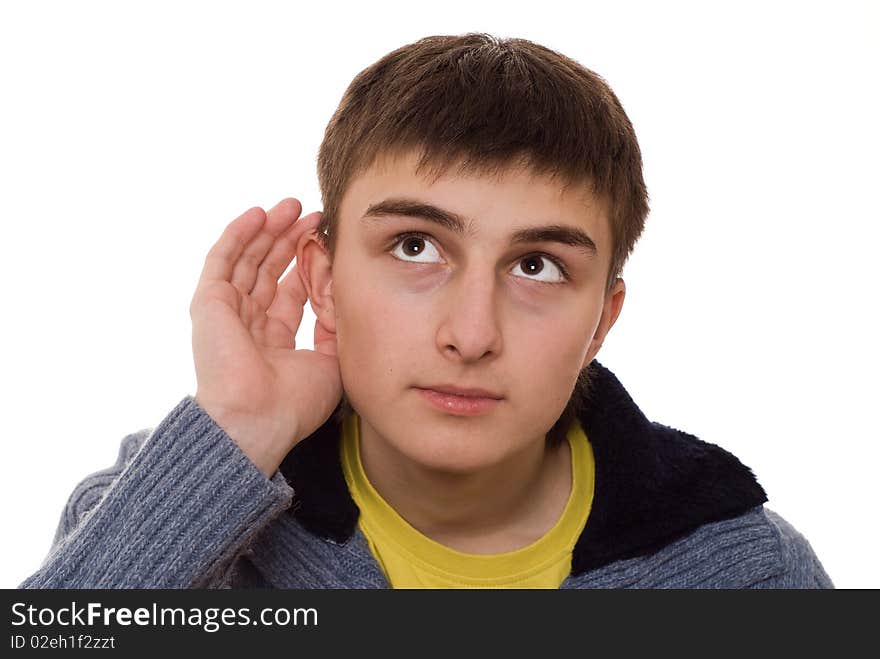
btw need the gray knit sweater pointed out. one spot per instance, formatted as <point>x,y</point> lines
<point>183,507</point>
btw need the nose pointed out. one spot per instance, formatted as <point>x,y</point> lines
<point>470,328</point>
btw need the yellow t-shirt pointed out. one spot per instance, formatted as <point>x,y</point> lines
<point>410,559</point>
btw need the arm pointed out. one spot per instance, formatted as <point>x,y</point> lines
<point>184,501</point>
<point>175,511</point>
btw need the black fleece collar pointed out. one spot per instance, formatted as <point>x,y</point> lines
<point>653,483</point>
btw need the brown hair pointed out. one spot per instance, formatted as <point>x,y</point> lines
<point>485,104</point>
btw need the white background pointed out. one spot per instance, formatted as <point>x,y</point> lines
<point>132,133</point>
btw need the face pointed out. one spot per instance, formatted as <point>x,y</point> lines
<point>417,302</point>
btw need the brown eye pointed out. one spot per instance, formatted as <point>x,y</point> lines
<point>415,248</point>
<point>532,265</point>
<point>535,265</point>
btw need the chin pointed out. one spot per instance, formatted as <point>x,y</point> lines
<point>437,441</point>
<point>461,455</point>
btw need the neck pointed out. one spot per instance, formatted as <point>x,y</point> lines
<point>497,509</point>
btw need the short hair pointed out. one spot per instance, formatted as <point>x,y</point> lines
<point>485,104</point>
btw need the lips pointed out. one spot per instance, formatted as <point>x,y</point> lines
<point>465,392</point>
<point>459,401</point>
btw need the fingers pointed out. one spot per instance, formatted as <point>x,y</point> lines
<point>290,300</point>
<point>252,253</point>
<point>224,254</point>
<point>278,220</point>
<point>278,258</point>
<point>278,335</point>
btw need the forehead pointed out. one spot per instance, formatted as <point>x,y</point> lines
<point>497,200</point>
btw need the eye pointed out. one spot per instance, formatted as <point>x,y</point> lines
<point>411,246</point>
<point>533,265</point>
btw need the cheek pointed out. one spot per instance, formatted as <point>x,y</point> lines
<point>378,331</point>
<point>549,350</point>
<point>547,370</point>
<point>551,357</point>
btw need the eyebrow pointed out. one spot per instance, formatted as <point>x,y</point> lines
<point>406,207</point>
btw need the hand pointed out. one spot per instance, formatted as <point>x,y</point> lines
<point>252,381</point>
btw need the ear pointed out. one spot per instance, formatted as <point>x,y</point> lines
<point>316,271</point>
<point>610,311</point>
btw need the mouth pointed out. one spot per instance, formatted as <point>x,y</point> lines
<point>473,403</point>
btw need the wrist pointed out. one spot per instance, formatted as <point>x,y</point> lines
<point>262,439</point>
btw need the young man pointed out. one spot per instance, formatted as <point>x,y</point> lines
<point>452,427</point>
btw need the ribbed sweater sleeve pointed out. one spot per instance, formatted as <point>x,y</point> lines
<point>179,506</point>
<point>799,567</point>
